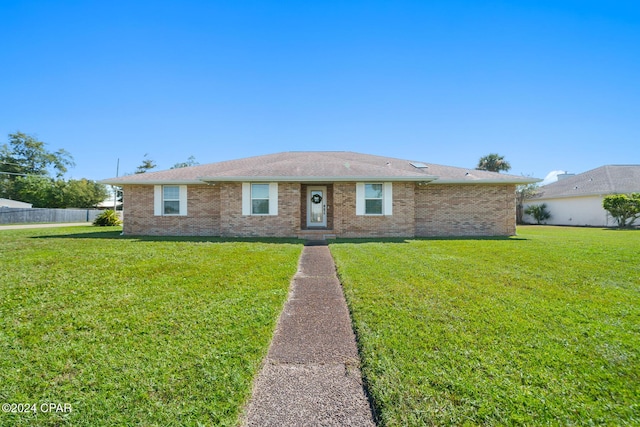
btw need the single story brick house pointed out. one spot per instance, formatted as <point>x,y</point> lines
<point>320,195</point>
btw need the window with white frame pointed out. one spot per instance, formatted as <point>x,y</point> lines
<point>260,198</point>
<point>170,200</point>
<point>375,198</point>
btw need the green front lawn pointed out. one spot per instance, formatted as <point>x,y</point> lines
<point>153,332</point>
<point>539,329</point>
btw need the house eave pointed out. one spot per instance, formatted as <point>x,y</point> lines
<point>423,178</point>
<point>151,182</point>
<point>432,179</point>
<point>576,196</point>
<point>487,181</point>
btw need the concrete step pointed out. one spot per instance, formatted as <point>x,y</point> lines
<point>316,234</point>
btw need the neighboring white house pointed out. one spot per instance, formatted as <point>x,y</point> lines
<point>577,199</point>
<point>109,204</point>
<point>8,203</point>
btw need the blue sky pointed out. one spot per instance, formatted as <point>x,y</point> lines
<point>550,85</point>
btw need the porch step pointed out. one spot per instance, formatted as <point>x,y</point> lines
<point>316,234</point>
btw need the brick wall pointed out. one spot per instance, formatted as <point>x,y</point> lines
<point>348,224</point>
<point>465,210</point>
<point>430,210</point>
<point>234,224</point>
<point>203,209</point>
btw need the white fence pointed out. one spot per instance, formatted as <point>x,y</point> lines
<point>34,215</point>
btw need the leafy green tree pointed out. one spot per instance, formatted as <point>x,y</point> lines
<point>45,192</point>
<point>57,194</point>
<point>146,165</point>
<point>26,169</point>
<point>25,155</point>
<point>34,189</point>
<point>83,193</point>
<point>624,208</point>
<point>494,163</point>
<point>191,161</point>
<point>538,212</point>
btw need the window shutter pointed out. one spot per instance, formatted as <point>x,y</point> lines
<point>157,200</point>
<point>273,198</point>
<point>388,198</point>
<point>246,198</point>
<point>360,198</point>
<point>183,200</point>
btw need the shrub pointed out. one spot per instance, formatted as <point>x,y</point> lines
<point>107,218</point>
<point>538,212</point>
<point>625,209</point>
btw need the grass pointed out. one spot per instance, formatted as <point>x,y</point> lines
<point>132,331</point>
<point>539,329</point>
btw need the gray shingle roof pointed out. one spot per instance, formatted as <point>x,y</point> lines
<point>319,166</point>
<point>609,179</point>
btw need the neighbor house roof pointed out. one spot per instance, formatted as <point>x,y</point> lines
<point>609,179</point>
<point>8,203</point>
<point>319,166</point>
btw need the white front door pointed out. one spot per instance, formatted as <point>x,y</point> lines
<point>316,207</point>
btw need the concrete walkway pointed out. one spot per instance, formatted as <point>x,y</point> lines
<point>311,375</point>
